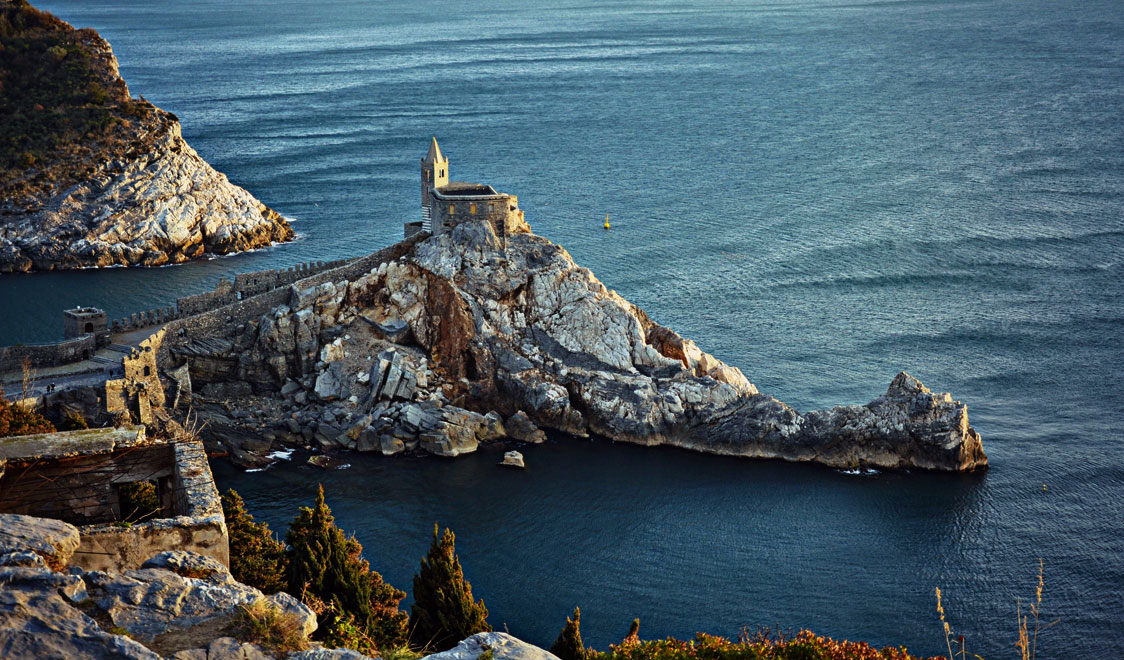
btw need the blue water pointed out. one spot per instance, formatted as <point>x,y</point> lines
<point>822,193</point>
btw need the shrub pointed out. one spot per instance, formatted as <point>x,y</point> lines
<point>569,646</point>
<point>257,558</point>
<point>444,611</point>
<point>139,501</point>
<point>17,419</point>
<point>327,566</point>
<point>73,421</point>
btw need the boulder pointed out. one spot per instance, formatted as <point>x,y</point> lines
<point>520,427</point>
<point>53,540</point>
<point>513,459</point>
<point>38,620</point>
<point>502,645</point>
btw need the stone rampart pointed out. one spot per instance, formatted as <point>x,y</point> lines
<point>49,354</point>
<point>245,285</point>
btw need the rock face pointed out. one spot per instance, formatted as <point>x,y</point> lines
<point>143,197</point>
<point>514,327</point>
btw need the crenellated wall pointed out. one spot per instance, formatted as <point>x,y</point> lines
<point>244,286</point>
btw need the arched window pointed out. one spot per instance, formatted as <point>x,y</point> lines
<point>147,371</point>
<point>452,209</point>
<point>472,208</point>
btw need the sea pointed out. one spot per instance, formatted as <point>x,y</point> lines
<point>820,192</point>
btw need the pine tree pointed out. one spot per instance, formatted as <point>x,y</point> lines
<point>444,612</point>
<point>256,557</point>
<point>569,645</point>
<point>325,566</point>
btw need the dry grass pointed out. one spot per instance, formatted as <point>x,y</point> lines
<point>277,631</point>
<point>1027,641</point>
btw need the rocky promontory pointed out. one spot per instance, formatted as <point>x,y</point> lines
<point>91,177</point>
<point>468,338</point>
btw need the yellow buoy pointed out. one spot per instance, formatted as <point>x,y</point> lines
<point>606,221</point>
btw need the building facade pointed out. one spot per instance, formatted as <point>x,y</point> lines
<point>446,204</point>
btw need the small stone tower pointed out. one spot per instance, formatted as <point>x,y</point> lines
<point>434,175</point>
<point>86,321</point>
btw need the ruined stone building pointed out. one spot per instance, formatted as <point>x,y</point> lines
<point>447,203</point>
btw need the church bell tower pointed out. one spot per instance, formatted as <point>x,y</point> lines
<point>434,172</point>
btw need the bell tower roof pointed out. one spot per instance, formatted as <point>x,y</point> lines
<point>434,154</point>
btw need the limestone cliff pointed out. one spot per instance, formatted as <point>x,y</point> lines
<point>90,176</point>
<point>411,353</point>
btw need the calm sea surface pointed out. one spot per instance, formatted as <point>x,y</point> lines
<point>822,193</point>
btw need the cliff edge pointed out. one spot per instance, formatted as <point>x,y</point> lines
<point>91,177</point>
<point>410,353</point>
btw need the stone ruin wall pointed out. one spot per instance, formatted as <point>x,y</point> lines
<point>223,320</point>
<point>47,355</point>
<point>198,526</point>
<point>245,285</point>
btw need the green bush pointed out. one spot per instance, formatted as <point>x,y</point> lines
<point>139,501</point>
<point>256,557</point>
<point>444,612</point>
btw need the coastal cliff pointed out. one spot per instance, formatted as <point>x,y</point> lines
<point>91,177</point>
<point>410,354</point>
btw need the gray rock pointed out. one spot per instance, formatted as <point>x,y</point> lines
<point>53,540</point>
<point>293,608</point>
<point>190,564</point>
<point>38,620</point>
<point>228,648</point>
<point>24,558</point>
<point>152,602</point>
<point>390,445</point>
<point>520,427</point>
<point>290,387</point>
<point>502,645</point>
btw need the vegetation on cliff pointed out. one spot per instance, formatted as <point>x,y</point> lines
<point>257,558</point>
<point>63,108</point>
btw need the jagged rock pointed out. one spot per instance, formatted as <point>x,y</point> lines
<point>53,540</point>
<point>520,427</point>
<point>502,645</point>
<point>513,459</point>
<point>492,429</point>
<point>330,383</point>
<point>391,445</point>
<point>38,620</point>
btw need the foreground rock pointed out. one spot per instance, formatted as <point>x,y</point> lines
<point>54,541</point>
<point>502,645</point>
<point>126,190</point>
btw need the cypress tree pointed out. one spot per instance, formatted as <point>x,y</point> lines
<point>444,612</point>
<point>633,636</point>
<point>569,645</point>
<point>256,557</point>
<point>325,566</point>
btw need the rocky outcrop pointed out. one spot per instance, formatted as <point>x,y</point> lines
<point>502,646</point>
<point>516,328</point>
<point>54,541</point>
<point>131,194</point>
<point>179,605</point>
